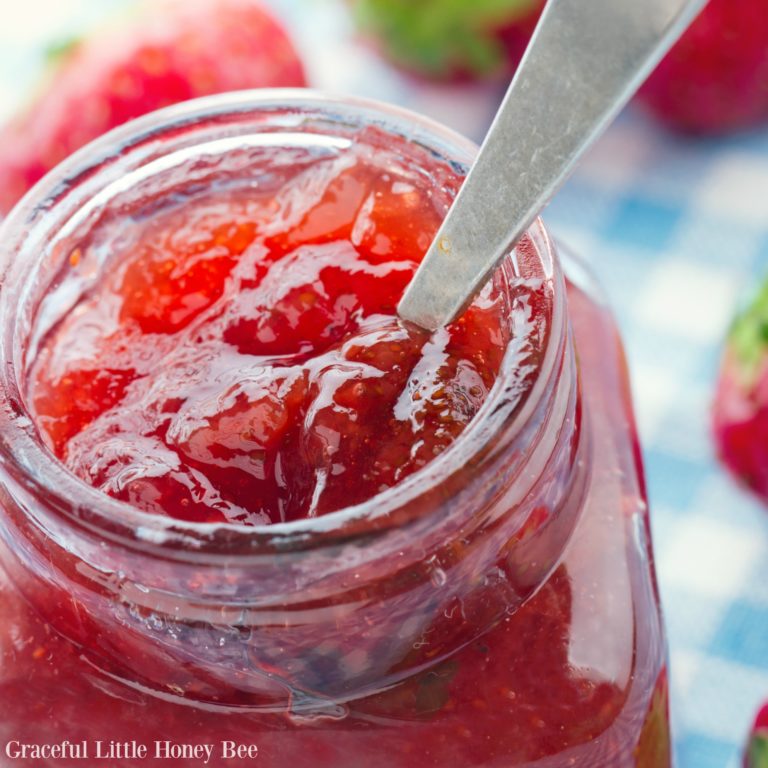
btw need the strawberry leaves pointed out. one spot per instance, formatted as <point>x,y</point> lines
<point>756,755</point>
<point>441,38</point>
<point>748,337</point>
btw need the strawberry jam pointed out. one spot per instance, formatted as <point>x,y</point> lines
<point>243,362</point>
<point>248,516</point>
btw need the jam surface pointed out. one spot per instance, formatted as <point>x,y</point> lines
<point>242,361</point>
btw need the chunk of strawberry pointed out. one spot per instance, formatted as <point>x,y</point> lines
<point>66,406</point>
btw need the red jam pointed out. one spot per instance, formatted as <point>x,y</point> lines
<point>230,352</point>
<point>243,361</point>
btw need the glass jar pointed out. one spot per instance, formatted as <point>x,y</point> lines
<point>496,608</point>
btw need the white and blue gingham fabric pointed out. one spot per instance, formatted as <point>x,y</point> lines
<point>677,231</point>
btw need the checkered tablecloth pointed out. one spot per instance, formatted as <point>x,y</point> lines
<point>677,231</point>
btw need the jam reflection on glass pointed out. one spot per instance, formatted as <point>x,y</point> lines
<point>231,354</point>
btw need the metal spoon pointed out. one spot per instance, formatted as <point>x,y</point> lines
<point>584,62</point>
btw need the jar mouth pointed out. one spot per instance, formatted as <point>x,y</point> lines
<point>128,149</point>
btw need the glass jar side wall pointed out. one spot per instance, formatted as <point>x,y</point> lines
<point>578,673</point>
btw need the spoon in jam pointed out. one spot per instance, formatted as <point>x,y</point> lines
<point>585,61</point>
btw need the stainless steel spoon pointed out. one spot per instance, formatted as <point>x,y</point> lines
<point>584,62</point>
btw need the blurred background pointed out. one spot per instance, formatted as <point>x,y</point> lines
<point>676,228</point>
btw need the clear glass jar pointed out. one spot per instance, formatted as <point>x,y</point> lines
<point>498,607</point>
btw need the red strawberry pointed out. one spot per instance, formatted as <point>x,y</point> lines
<point>756,754</point>
<point>740,412</point>
<point>715,79</point>
<point>449,40</point>
<point>170,51</point>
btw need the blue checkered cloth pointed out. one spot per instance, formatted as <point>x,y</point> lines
<point>677,231</point>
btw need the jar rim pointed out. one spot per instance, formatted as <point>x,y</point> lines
<point>34,467</point>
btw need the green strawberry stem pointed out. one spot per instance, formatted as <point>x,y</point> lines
<point>757,756</point>
<point>748,337</point>
<point>61,49</point>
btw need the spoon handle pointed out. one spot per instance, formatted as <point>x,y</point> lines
<point>584,62</point>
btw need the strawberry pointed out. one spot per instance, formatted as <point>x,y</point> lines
<point>449,40</point>
<point>167,52</point>
<point>740,411</point>
<point>715,79</point>
<point>756,754</point>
